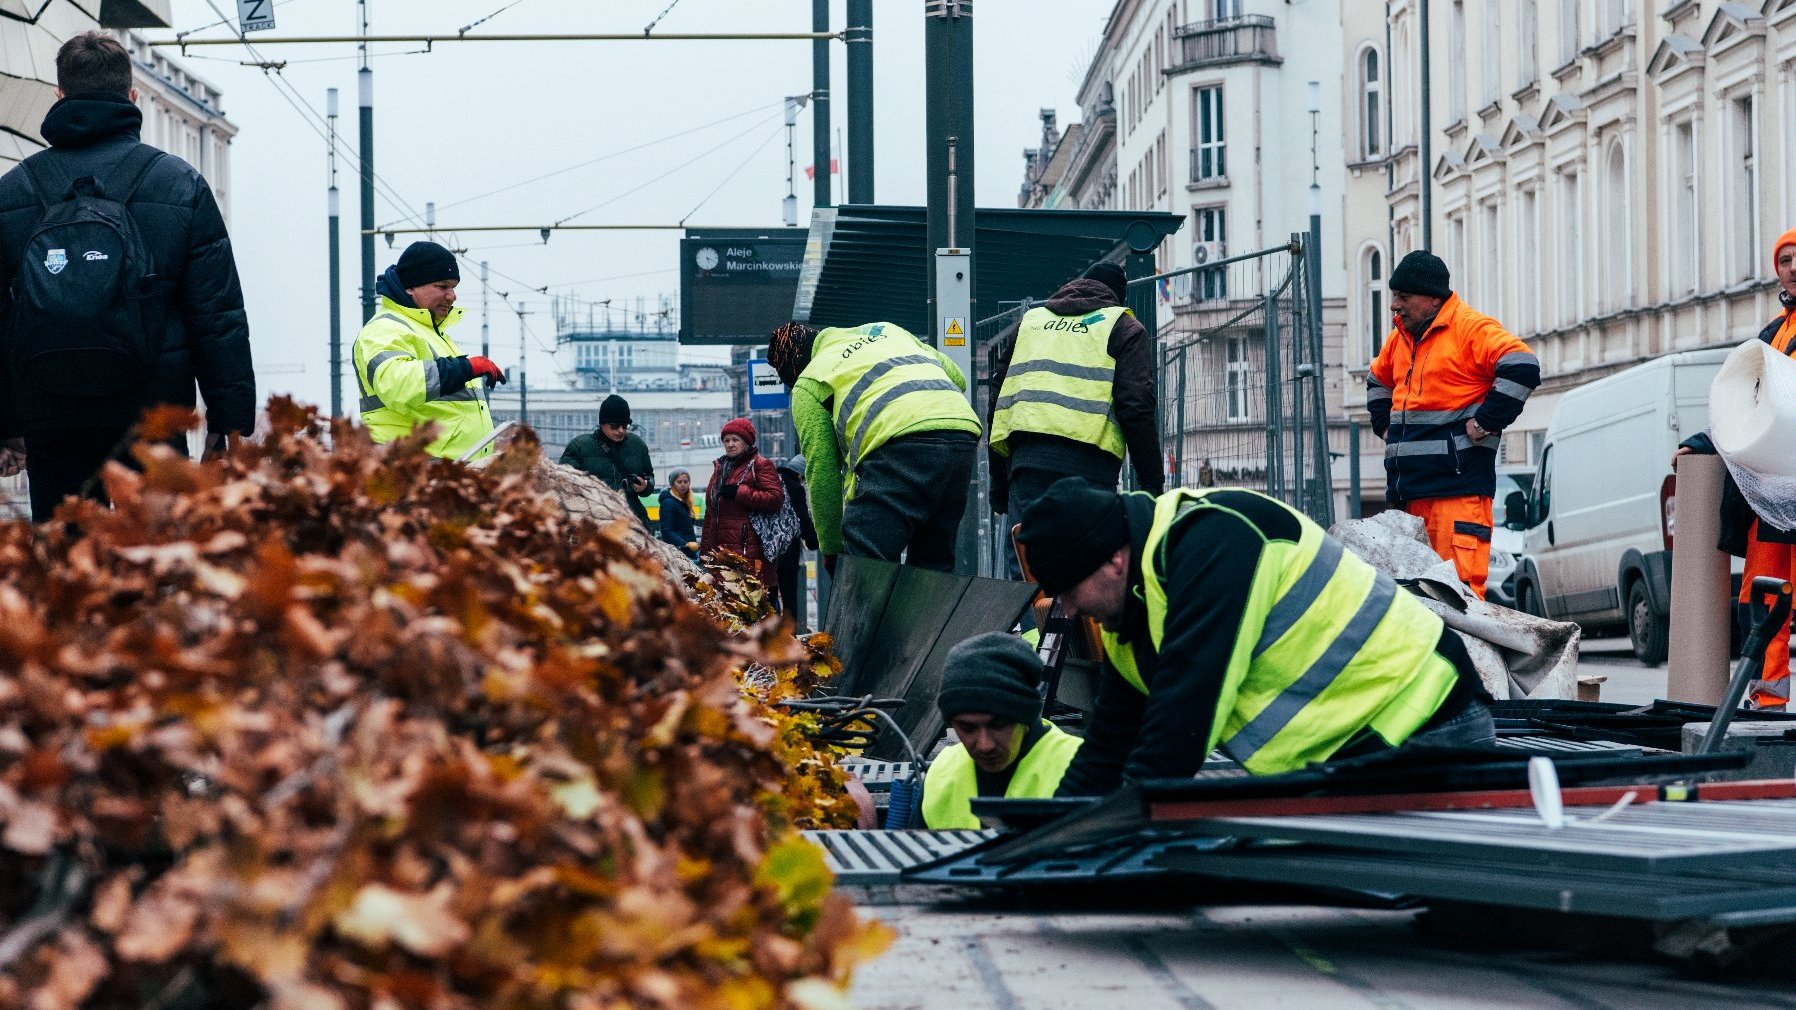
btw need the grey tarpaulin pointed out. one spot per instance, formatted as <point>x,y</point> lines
<point>1517,656</point>
<point>893,626</point>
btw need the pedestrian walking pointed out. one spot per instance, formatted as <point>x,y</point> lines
<point>676,526</point>
<point>743,484</point>
<point>792,479</point>
<point>1075,382</point>
<point>615,455</point>
<point>888,439</point>
<point>1441,391</point>
<point>409,369</point>
<point>118,285</point>
<point>1232,621</point>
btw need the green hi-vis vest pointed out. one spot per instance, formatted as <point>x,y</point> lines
<point>1328,648</point>
<point>396,369</point>
<point>883,382</point>
<point>1059,381</point>
<point>952,782</point>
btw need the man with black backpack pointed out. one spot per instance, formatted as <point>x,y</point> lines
<point>118,290</point>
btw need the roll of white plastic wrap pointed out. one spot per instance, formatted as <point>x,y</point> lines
<point>1752,410</point>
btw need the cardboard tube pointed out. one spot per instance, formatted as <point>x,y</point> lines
<point>1702,604</point>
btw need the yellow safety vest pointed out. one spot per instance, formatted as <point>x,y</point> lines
<point>952,782</point>
<point>1328,648</point>
<point>1060,381</point>
<point>883,382</point>
<point>395,367</point>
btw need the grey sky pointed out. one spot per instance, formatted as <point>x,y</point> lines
<point>471,118</point>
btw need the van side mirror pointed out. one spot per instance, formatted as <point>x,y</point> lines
<point>1515,511</point>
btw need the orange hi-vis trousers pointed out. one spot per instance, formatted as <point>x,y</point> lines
<point>1459,531</point>
<point>1772,689</point>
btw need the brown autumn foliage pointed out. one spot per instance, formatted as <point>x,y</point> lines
<point>343,727</point>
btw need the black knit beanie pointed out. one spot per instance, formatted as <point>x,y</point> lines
<point>615,410</point>
<point>1070,531</point>
<point>425,263</point>
<point>1112,276</point>
<point>992,674</point>
<point>1422,273</point>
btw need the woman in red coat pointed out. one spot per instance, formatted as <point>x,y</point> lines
<point>744,481</point>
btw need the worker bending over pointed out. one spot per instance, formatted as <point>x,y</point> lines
<point>991,698</point>
<point>1446,384</point>
<point>1232,621</point>
<point>885,426</point>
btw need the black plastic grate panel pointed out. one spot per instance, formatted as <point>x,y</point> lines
<point>878,857</point>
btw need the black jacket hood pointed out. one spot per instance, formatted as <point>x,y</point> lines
<point>388,286</point>
<point>88,118</point>
<point>1080,295</point>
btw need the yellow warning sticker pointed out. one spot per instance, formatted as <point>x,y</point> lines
<point>954,342</point>
<point>954,326</point>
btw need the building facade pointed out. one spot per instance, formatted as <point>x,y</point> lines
<point>1605,176</point>
<point>1226,112</point>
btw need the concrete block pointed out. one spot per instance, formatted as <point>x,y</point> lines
<point>1773,746</point>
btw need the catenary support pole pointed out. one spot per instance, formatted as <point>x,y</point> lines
<point>365,88</point>
<point>820,106</point>
<point>334,199</point>
<point>486,347</point>
<point>1322,508</point>
<point>1427,123</point>
<point>523,372</point>
<point>859,40</point>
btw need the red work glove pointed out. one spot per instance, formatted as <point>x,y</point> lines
<point>485,369</point>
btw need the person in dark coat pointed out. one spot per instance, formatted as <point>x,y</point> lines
<point>676,514</point>
<point>93,131</point>
<point>615,455</point>
<point>743,481</point>
<point>1032,459</point>
<point>792,478</point>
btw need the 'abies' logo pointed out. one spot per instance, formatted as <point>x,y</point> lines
<point>57,261</point>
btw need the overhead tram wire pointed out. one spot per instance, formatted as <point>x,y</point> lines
<point>677,168</point>
<point>432,40</point>
<point>224,21</point>
<point>733,173</point>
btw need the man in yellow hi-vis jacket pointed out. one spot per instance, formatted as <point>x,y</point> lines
<point>408,369</point>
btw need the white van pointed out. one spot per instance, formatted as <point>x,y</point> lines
<point>1596,543</point>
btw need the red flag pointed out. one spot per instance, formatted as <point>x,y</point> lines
<point>835,168</point>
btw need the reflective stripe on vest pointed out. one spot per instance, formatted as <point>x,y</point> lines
<point>1328,648</point>
<point>883,381</point>
<point>1061,381</point>
<point>953,780</point>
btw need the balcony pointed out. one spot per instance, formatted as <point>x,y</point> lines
<point>1209,167</point>
<point>1252,38</point>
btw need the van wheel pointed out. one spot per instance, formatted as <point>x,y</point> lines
<point>1647,631</point>
<point>1527,600</point>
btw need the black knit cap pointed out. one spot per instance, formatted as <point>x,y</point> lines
<point>1070,531</point>
<point>992,674</point>
<point>1112,276</point>
<point>1422,273</point>
<point>615,410</point>
<point>426,263</point>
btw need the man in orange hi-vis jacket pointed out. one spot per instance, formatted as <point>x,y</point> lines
<point>1446,384</point>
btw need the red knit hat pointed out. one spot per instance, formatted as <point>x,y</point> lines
<point>741,426</point>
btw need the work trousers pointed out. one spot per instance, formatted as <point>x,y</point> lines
<point>67,463</point>
<point>1459,531</point>
<point>1772,689</point>
<point>909,497</point>
<point>788,600</point>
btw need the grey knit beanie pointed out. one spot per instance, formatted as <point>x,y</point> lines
<point>993,674</point>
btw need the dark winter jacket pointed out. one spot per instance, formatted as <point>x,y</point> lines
<point>206,336</point>
<point>611,462</point>
<point>756,488</point>
<point>676,522</point>
<point>1133,399</point>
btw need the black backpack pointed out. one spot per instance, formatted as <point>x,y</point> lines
<point>87,307</point>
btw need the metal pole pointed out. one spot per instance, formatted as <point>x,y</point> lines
<point>1426,108</point>
<point>1355,506</point>
<point>523,372</point>
<point>486,347</point>
<point>1323,511</point>
<point>948,167</point>
<point>859,39</point>
<point>334,199</point>
<point>365,85</point>
<point>1299,307</point>
<point>789,206</point>
<point>1275,407</point>
<point>820,105</point>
